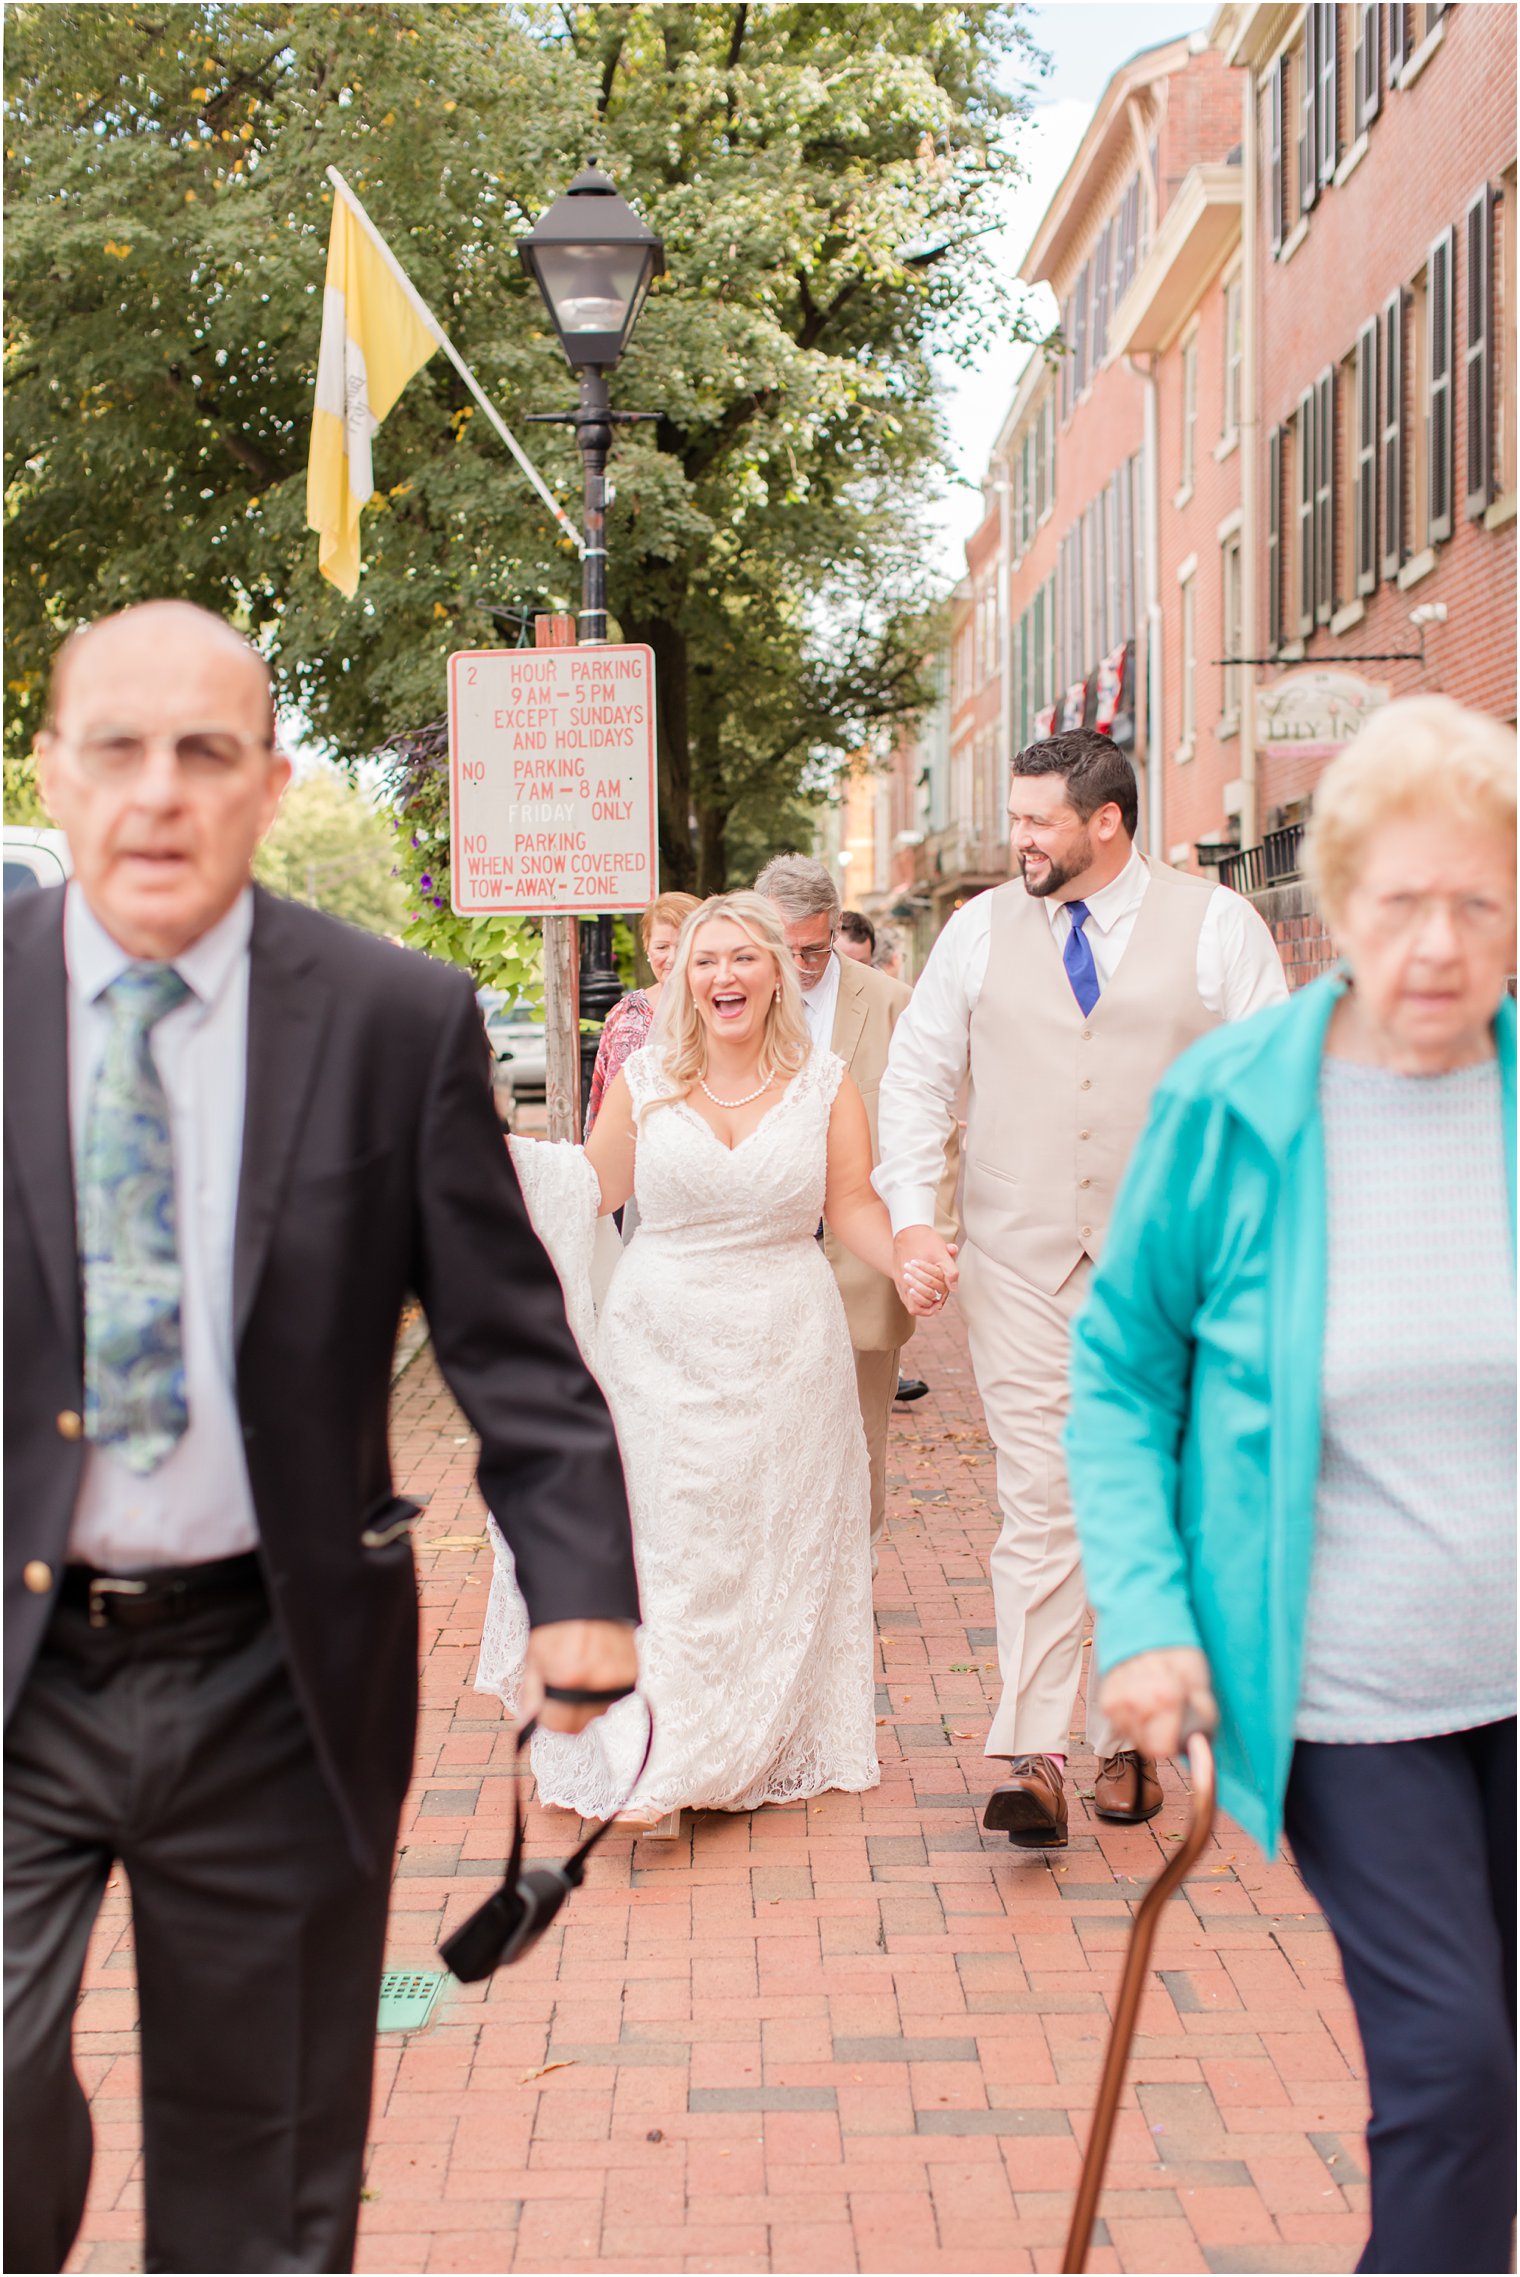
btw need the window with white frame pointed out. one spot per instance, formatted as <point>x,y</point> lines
<point>1367,74</point>
<point>1188,676</point>
<point>1476,347</point>
<point>1303,514</point>
<point>1392,334</point>
<point>1230,631</point>
<point>1440,399</point>
<point>1189,412</point>
<point>1233,358</point>
<point>1417,387</point>
<point>1364,514</point>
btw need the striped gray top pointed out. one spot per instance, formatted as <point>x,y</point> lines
<point>1411,1619</point>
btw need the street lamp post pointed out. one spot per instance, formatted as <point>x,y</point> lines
<point>593,260</point>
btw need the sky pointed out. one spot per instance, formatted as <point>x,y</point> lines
<point>1087,41</point>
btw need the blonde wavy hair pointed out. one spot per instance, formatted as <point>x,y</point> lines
<point>1420,755</point>
<point>679,1037</point>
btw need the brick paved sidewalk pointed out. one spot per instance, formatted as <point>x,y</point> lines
<point>851,2035</point>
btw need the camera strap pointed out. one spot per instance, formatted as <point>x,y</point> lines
<point>516,1915</point>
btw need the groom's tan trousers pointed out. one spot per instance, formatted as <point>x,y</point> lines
<point>1020,1341</point>
<point>876,1383</point>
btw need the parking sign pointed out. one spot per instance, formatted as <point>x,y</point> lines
<point>552,776</point>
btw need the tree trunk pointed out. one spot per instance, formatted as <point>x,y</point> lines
<point>712,848</point>
<point>678,862</point>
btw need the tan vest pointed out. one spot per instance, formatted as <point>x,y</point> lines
<point>1059,1099</point>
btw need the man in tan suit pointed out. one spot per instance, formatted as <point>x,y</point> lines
<point>853,1010</point>
<point>1065,995</point>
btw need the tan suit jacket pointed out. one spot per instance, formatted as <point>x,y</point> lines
<point>868,1009</point>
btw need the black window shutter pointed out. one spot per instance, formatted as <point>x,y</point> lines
<point>1304,442</point>
<point>1308,105</point>
<point>1365,492</point>
<point>1477,352</point>
<point>1439,310</point>
<point>1392,434</point>
<point>1274,541</point>
<point>1324,496</point>
<point>1367,84</point>
<point>1276,98</point>
<point>1329,89</point>
<point>1398,42</point>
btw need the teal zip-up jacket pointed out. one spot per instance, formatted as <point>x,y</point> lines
<point>1194,1438</point>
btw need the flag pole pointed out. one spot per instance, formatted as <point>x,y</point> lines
<point>458,362</point>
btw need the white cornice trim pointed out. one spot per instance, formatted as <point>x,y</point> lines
<point>1140,72</point>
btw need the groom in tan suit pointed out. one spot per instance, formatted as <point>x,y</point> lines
<point>1064,996</point>
<point>853,1009</point>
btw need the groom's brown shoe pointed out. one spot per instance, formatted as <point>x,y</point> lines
<point>1126,1788</point>
<point>1029,1807</point>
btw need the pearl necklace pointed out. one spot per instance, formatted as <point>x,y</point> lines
<point>747,1101</point>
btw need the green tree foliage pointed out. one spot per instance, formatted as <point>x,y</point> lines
<point>330,848</point>
<point>820,176</point>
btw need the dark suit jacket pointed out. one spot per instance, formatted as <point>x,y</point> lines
<point>372,1166</point>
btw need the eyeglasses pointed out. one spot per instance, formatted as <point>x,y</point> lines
<point>815,958</point>
<point>1396,914</point>
<point>202,754</point>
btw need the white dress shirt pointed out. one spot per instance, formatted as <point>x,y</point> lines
<point>819,1002</point>
<point>197,1505</point>
<point>1239,971</point>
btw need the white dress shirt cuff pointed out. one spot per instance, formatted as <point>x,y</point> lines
<point>911,1205</point>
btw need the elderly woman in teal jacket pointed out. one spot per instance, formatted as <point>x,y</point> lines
<point>1292,1449</point>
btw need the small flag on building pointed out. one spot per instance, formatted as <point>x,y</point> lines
<point>373,341</point>
<point>1110,688</point>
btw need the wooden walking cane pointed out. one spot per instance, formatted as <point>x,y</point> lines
<point>1142,1937</point>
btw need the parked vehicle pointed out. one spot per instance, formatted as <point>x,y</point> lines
<point>34,858</point>
<point>503,1086</point>
<point>517,1029</point>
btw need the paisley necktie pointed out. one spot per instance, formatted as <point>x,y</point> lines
<point>134,1364</point>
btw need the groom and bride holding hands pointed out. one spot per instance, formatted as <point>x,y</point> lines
<point>1056,1002</point>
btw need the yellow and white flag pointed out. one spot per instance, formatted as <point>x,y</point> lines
<point>373,341</point>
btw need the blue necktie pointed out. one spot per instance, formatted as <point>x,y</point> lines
<point>1077,957</point>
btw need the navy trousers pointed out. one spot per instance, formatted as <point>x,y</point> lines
<point>1409,1848</point>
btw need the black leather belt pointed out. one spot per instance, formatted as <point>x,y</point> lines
<point>166,1593</point>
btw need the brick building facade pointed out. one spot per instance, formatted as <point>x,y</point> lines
<point>1263,478</point>
<point>1380,475</point>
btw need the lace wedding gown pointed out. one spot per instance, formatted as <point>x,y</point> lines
<point>724,1354</point>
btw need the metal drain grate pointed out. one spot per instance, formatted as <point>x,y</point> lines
<point>407,1997</point>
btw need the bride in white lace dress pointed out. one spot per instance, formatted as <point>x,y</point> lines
<point>723,1351</point>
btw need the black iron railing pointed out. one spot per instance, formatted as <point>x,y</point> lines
<point>1271,863</point>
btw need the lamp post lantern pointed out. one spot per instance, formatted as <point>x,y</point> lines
<point>593,260</point>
